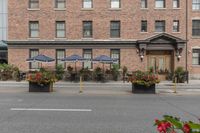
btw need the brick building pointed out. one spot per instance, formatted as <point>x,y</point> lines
<point>162,34</point>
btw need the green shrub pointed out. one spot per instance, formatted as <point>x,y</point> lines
<point>59,72</point>
<point>115,71</point>
<point>179,74</point>
<point>6,71</point>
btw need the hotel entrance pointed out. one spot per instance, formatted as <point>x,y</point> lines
<point>160,62</point>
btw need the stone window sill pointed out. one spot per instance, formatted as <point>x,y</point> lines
<point>195,37</point>
<point>60,9</point>
<point>60,39</point>
<point>160,8</point>
<point>115,9</point>
<point>33,9</point>
<point>36,38</point>
<point>87,9</point>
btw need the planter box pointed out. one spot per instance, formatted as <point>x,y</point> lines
<point>34,87</point>
<point>141,89</point>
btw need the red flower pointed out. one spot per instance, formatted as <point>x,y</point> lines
<point>186,128</point>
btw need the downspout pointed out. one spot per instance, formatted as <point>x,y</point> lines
<point>187,39</point>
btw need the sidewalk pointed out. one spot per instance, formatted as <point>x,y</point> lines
<point>110,88</point>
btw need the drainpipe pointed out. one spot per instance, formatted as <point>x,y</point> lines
<point>187,38</point>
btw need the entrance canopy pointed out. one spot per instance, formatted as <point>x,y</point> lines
<point>162,41</point>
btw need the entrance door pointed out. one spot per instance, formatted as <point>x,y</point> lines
<point>160,63</point>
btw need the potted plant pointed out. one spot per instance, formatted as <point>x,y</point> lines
<point>59,72</point>
<point>115,71</point>
<point>98,74</point>
<point>143,82</point>
<point>179,75</point>
<point>41,81</point>
<point>170,124</point>
<point>85,73</point>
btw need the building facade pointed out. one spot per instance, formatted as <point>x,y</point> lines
<point>3,31</point>
<point>141,34</point>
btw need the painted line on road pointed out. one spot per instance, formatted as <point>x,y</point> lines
<point>61,110</point>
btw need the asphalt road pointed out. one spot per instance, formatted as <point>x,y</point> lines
<point>62,112</point>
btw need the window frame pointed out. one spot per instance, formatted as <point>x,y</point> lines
<point>63,50</point>
<point>60,29</point>
<point>83,65</point>
<point>195,4</point>
<point>178,4</point>
<point>59,1</point>
<point>30,56</point>
<point>177,27</point>
<point>30,29</point>
<point>33,2</point>
<point>115,7</point>
<point>119,54</point>
<point>156,21</point>
<point>89,29</point>
<point>142,26</point>
<point>196,28</point>
<point>146,4</point>
<point>164,4</point>
<point>86,7</point>
<point>198,58</point>
<point>111,29</point>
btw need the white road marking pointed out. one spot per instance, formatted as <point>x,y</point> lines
<point>61,110</point>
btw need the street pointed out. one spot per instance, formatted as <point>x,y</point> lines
<point>93,111</point>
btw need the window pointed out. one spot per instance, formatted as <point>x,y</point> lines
<point>143,3</point>
<point>144,26</point>
<point>60,4</point>
<point>33,29</point>
<point>196,57</point>
<point>87,54</point>
<point>196,27</point>
<point>176,4</point>
<point>33,53</point>
<point>176,26</point>
<point>115,4</point>
<point>60,54</point>
<point>160,3</point>
<point>115,29</point>
<point>60,29</point>
<point>87,3</point>
<point>87,29</point>
<point>160,26</point>
<point>195,4</point>
<point>115,54</point>
<point>33,4</point>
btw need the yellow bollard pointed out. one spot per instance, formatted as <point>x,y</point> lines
<point>81,85</point>
<point>175,84</point>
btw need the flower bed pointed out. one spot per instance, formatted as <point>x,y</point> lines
<point>143,82</point>
<point>174,125</point>
<point>41,81</point>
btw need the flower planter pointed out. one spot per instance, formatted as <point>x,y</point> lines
<point>34,87</point>
<point>142,89</point>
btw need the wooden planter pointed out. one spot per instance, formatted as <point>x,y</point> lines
<point>34,87</point>
<point>141,89</point>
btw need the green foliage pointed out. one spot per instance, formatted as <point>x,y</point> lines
<point>85,73</point>
<point>179,74</point>
<point>144,78</point>
<point>8,72</point>
<point>42,77</point>
<point>60,72</point>
<point>170,124</point>
<point>124,70</point>
<point>69,69</point>
<point>115,71</point>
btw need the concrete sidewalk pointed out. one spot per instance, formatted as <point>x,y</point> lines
<point>110,88</point>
